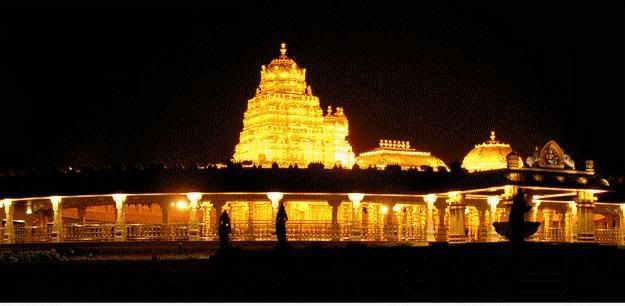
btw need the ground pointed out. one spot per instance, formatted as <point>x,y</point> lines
<point>322,273</point>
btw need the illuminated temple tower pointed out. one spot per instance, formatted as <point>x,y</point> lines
<point>284,122</point>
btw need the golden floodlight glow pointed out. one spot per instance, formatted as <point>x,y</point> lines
<point>383,209</point>
<point>29,209</point>
<point>182,205</point>
<point>275,198</point>
<point>284,122</point>
<point>356,198</point>
<point>194,197</point>
<point>430,198</point>
<point>55,202</point>
<point>492,201</point>
<point>396,208</point>
<point>119,198</point>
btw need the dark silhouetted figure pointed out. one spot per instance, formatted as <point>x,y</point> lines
<point>224,230</point>
<point>516,218</point>
<point>281,219</point>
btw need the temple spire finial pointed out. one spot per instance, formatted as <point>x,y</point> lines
<point>283,48</point>
<point>492,135</point>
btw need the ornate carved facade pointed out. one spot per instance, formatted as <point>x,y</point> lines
<point>285,124</point>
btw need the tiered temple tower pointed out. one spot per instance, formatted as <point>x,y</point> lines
<point>284,122</point>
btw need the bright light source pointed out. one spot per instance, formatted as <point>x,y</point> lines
<point>396,208</point>
<point>356,198</point>
<point>492,201</point>
<point>194,197</point>
<point>384,209</point>
<point>430,198</point>
<point>181,205</point>
<point>275,198</point>
<point>119,198</point>
<point>29,209</point>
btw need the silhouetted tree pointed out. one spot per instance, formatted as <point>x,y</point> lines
<point>281,219</point>
<point>224,230</point>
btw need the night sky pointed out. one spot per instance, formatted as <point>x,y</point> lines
<point>102,84</point>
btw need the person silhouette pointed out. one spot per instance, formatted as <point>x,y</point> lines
<point>516,217</point>
<point>281,219</point>
<point>224,230</point>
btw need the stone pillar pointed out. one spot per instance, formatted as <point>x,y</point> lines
<point>482,232</point>
<point>456,218</point>
<point>546,225</point>
<point>335,229</point>
<point>430,200</point>
<point>207,232</point>
<point>355,226</point>
<point>492,218</point>
<point>194,225</point>
<point>9,229</point>
<point>57,221</point>
<point>506,201</point>
<point>391,224</point>
<point>250,220</point>
<point>120,222</point>
<point>441,208</point>
<point>164,213</point>
<point>585,210</point>
<point>533,216</point>
<point>572,222</point>
<point>621,225</point>
<point>82,213</point>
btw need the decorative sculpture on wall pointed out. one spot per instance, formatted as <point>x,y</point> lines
<point>550,155</point>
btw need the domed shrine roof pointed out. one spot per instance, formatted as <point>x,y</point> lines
<point>489,155</point>
<point>392,152</point>
<point>283,76</point>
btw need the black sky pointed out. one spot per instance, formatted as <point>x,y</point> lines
<point>126,83</point>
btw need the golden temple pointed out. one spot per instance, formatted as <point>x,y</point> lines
<point>285,124</point>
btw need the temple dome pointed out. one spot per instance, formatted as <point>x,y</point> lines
<point>489,155</point>
<point>392,152</point>
<point>283,76</point>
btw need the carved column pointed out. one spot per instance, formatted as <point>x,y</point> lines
<point>355,224</point>
<point>482,233</point>
<point>492,218</point>
<point>250,220</point>
<point>388,233</point>
<point>9,229</point>
<point>82,213</point>
<point>206,220</point>
<point>335,229</point>
<point>621,225</point>
<point>456,218</point>
<point>120,222</point>
<point>57,221</point>
<point>585,210</point>
<point>430,200</point>
<point>194,225</point>
<point>164,213</point>
<point>441,208</point>
<point>546,225</point>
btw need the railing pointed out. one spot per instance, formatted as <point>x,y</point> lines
<point>309,230</point>
<point>607,236</point>
<point>87,232</point>
<point>551,234</point>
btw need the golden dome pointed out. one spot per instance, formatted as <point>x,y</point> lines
<point>283,75</point>
<point>393,152</point>
<point>489,155</point>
